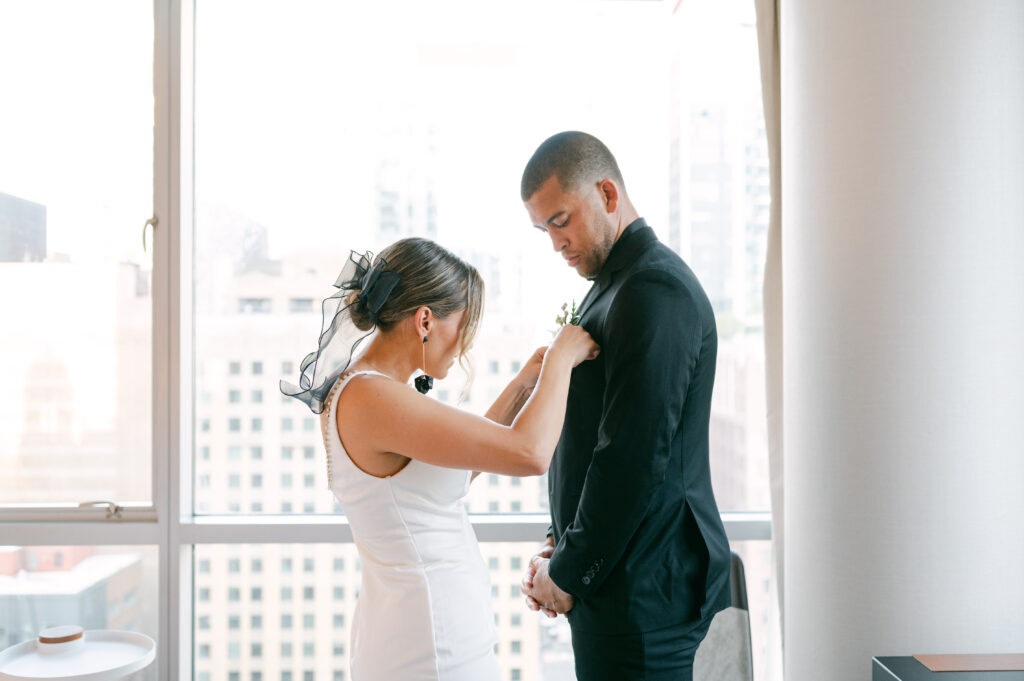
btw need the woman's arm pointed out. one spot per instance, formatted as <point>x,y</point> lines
<point>509,403</point>
<point>386,416</point>
<point>512,399</point>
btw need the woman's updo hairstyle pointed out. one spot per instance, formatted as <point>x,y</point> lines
<point>431,276</point>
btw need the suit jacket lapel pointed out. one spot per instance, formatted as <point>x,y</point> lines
<point>589,299</point>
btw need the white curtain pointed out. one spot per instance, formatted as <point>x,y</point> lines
<point>768,47</point>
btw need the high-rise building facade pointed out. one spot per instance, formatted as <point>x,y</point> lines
<point>22,230</point>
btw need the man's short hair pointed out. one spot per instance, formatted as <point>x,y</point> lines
<point>574,158</point>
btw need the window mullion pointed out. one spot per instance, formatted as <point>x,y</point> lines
<point>80,533</point>
<point>234,529</point>
<point>172,329</point>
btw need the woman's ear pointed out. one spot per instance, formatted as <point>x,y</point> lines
<point>424,321</point>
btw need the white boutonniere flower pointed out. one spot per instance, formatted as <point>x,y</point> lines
<point>568,316</point>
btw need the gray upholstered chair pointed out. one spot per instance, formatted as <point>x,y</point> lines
<point>725,653</point>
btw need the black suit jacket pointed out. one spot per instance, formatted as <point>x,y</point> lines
<point>639,541</point>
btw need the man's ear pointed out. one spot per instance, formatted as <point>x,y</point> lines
<point>609,194</point>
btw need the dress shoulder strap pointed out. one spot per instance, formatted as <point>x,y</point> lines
<point>329,419</point>
<point>340,383</point>
<point>368,371</point>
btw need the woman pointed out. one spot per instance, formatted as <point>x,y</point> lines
<point>399,463</point>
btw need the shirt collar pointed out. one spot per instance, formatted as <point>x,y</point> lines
<point>625,250</point>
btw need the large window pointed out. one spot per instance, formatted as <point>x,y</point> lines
<point>76,188</point>
<point>271,139</point>
<point>301,157</point>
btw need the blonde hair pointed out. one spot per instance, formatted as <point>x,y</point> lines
<point>430,276</point>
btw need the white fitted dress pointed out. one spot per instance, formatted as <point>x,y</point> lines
<point>424,611</point>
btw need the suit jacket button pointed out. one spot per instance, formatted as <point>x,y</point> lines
<point>586,580</point>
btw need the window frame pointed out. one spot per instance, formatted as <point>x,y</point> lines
<point>168,523</point>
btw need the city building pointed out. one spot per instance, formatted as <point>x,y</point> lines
<point>43,587</point>
<point>22,230</point>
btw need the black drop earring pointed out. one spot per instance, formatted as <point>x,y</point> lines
<point>424,382</point>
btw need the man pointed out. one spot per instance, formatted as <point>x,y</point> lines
<point>637,555</point>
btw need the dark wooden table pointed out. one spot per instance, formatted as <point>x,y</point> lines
<point>906,668</point>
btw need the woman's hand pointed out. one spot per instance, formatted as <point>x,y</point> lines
<point>528,375</point>
<point>575,343</point>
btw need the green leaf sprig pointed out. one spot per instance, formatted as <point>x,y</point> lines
<point>568,316</point>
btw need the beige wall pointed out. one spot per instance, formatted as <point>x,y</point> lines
<point>903,238</point>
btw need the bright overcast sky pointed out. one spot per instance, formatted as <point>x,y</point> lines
<point>297,102</point>
<point>290,97</point>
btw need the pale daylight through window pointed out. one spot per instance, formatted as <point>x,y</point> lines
<point>76,188</point>
<point>141,367</point>
<point>325,127</point>
<point>301,156</point>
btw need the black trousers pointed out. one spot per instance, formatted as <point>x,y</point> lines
<point>662,655</point>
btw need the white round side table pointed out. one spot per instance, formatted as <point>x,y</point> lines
<point>67,653</point>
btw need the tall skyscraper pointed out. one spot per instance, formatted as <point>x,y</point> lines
<point>22,230</point>
<point>718,217</point>
<point>75,415</point>
<point>406,167</point>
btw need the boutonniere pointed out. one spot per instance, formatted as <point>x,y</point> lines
<point>568,316</point>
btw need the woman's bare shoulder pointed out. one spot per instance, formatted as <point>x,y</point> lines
<point>364,398</point>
